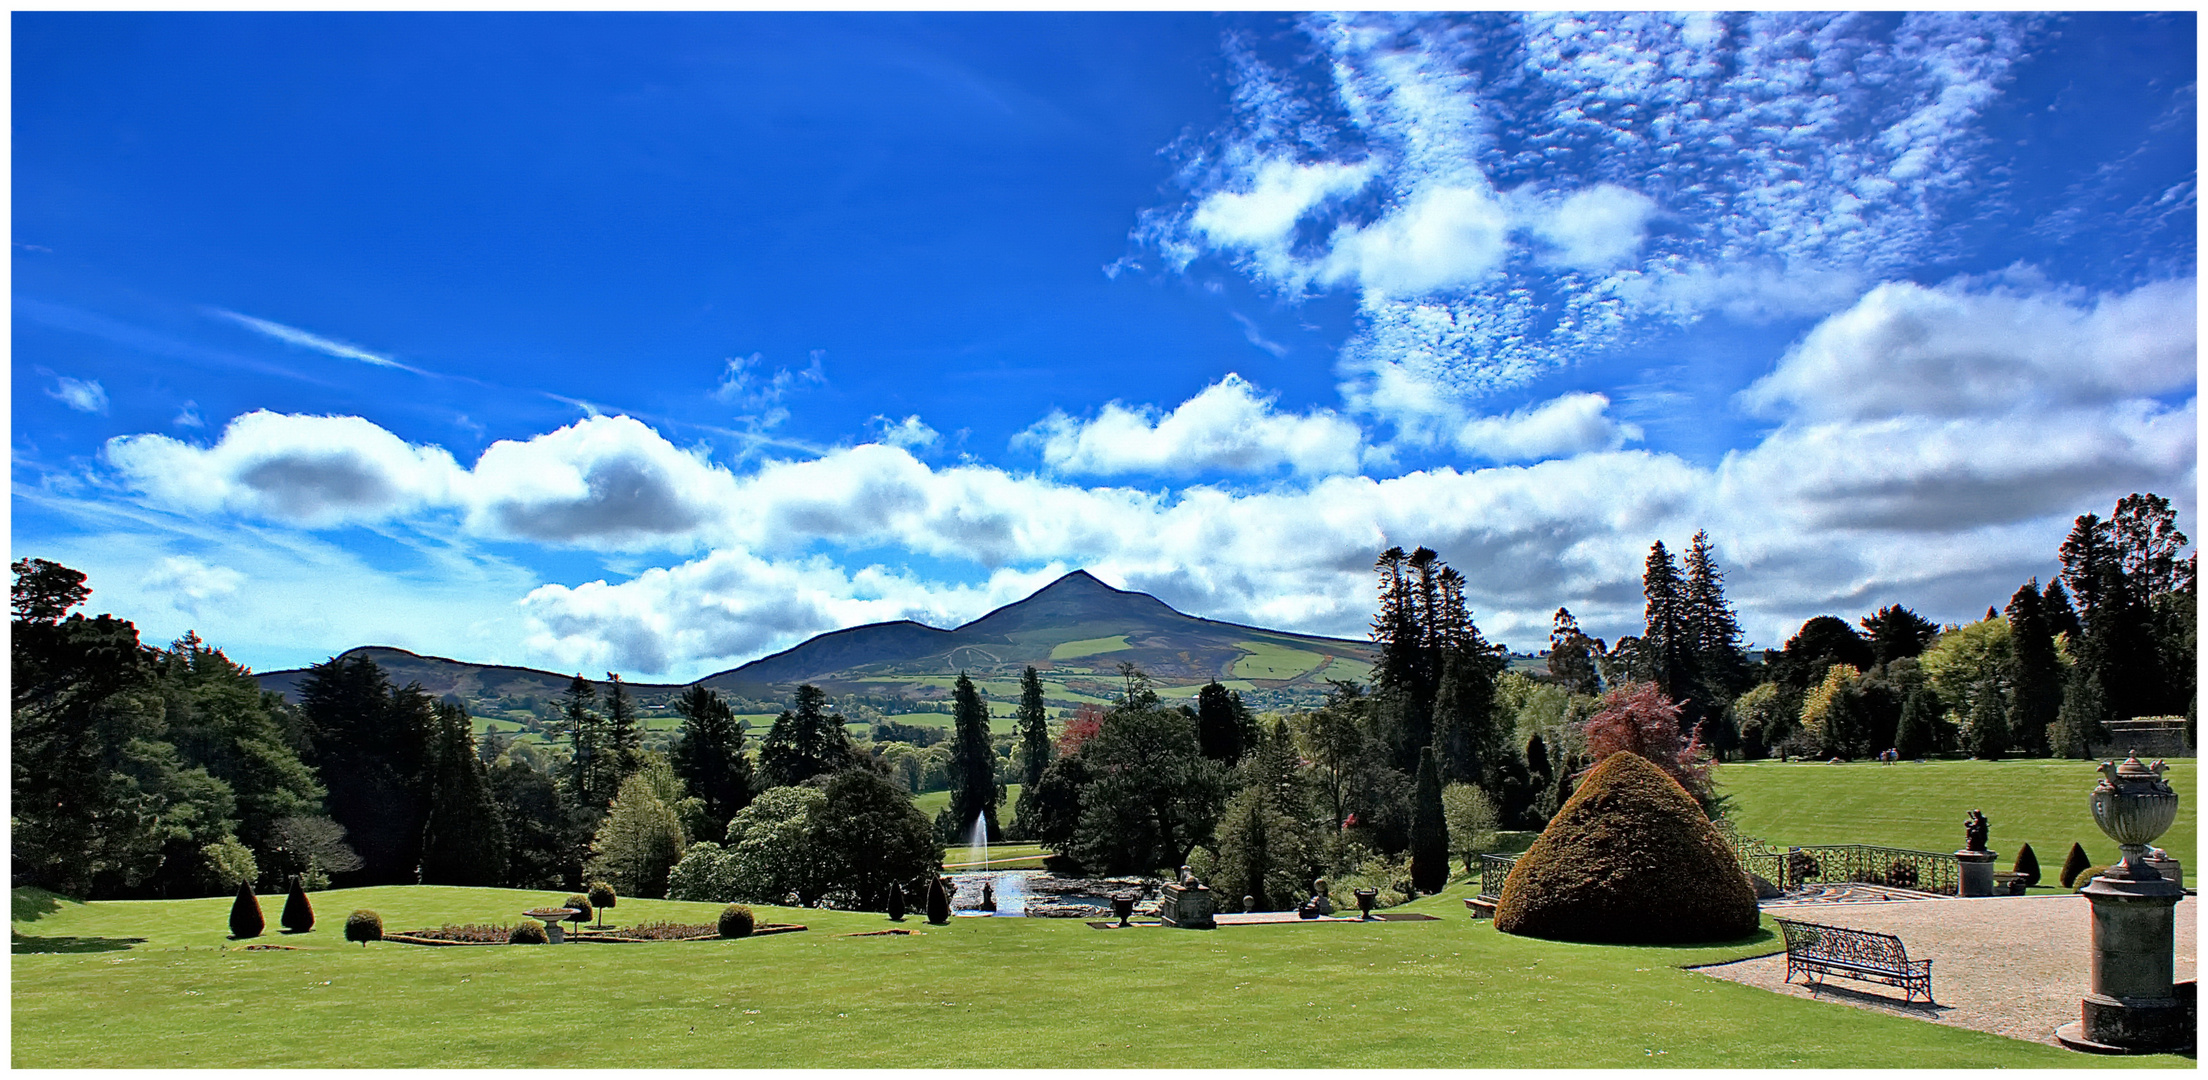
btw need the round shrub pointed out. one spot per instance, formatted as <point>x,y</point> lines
<point>298,915</point>
<point>245,913</point>
<point>581,905</point>
<point>2085,877</point>
<point>1630,858</point>
<point>736,921</point>
<point>601,897</point>
<point>364,926</point>
<point>527,933</point>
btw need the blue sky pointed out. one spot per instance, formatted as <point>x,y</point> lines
<point>658,343</point>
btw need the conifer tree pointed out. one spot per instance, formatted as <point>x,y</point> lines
<point>1720,669</point>
<point>298,917</point>
<point>1988,734</point>
<point>805,742</point>
<point>463,839</point>
<point>245,913</point>
<point>1429,829</point>
<point>974,791</point>
<point>1668,638</point>
<point>2035,673</point>
<point>2077,862</point>
<point>624,734</point>
<point>2061,617</point>
<point>1032,724</point>
<point>589,746</point>
<point>709,757</point>
<point>1572,655</point>
<point>1915,736</point>
<point>2027,864</point>
<point>1219,723</point>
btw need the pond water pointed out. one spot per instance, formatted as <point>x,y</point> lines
<point>1039,893</point>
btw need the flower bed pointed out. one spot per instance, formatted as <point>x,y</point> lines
<point>448,934</point>
<point>496,934</point>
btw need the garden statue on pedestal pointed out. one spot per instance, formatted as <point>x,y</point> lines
<point>1974,861</point>
<point>1974,832</point>
<point>1319,904</point>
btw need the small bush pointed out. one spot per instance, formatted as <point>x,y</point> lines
<point>2074,865</point>
<point>939,901</point>
<point>364,926</point>
<point>581,904</point>
<point>602,897</point>
<point>526,933</point>
<point>245,914</point>
<point>2027,864</point>
<point>2085,877</point>
<point>298,914</point>
<point>896,902</point>
<point>735,921</point>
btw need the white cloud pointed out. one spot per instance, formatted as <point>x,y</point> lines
<point>603,481</point>
<point>908,433</point>
<point>1575,423</point>
<point>83,395</point>
<point>188,416</point>
<point>193,585</point>
<point>1444,238</point>
<point>746,382</point>
<point>1263,218</point>
<point>1227,427</point>
<point>1906,349</point>
<point>314,471</point>
<point>327,346</point>
<point>1598,228</point>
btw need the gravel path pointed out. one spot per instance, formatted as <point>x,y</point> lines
<point>2011,965</point>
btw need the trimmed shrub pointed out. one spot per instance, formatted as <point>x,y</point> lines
<point>298,914</point>
<point>2027,864</point>
<point>735,921</point>
<point>527,933</point>
<point>602,898</point>
<point>939,901</point>
<point>2085,877</point>
<point>245,914</point>
<point>2074,865</point>
<point>896,902</point>
<point>1429,829</point>
<point>364,926</point>
<point>1629,859</point>
<point>581,904</point>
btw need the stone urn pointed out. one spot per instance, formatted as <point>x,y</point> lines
<point>1123,905</point>
<point>1365,899</point>
<point>2134,806</point>
<point>2135,1005</point>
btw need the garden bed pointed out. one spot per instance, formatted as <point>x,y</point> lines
<point>495,934</point>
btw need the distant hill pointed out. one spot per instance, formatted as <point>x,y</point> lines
<point>1076,631</point>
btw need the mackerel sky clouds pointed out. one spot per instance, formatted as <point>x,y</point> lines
<point>657,343</point>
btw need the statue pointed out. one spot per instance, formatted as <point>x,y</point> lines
<point>1319,904</point>
<point>1188,878</point>
<point>1974,832</point>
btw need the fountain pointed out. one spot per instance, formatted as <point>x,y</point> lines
<point>982,891</point>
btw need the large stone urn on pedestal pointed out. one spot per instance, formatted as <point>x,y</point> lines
<point>2135,1006</point>
<point>1188,904</point>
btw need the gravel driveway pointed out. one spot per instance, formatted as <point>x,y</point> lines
<point>2011,965</point>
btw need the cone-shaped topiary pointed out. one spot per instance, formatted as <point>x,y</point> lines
<point>601,897</point>
<point>298,914</point>
<point>939,902</point>
<point>245,913</point>
<point>736,921</point>
<point>1630,859</point>
<point>896,902</point>
<point>2074,865</point>
<point>2027,864</point>
<point>364,926</point>
<point>1429,829</point>
<point>527,933</point>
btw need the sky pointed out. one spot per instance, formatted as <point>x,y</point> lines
<point>658,343</point>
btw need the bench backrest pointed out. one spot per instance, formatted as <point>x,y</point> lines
<point>1843,944</point>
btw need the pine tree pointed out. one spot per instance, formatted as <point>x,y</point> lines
<point>2062,618</point>
<point>973,766</point>
<point>463,839</point>
<point>1721,670</point>
<point>1032,724</point>
<point>1988,734</point>
<point>709,756</point>
<point>2084,706</point>
<point>1218,727</point>
<point>1429,829</point>
<point>1915,736</point>
<point>1572,655</point>
<point>804,742</point>
<point>1468,735</point>
<point>1668,639</point>
<point>2027,864</point>
<point>2076,863</point>
<point>1897,633</point>
<point>298,917</point>
<point>372,746</point>
<point>246,920</point>
<point>624,733</point>
<point>588,745</point>
<point>2035,673</point>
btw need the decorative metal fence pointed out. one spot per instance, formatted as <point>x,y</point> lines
<point>1493,870</point>
<point>1868,864</point>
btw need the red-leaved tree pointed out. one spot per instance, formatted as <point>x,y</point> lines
<point>1640,718</point>
<point>1086,721</point>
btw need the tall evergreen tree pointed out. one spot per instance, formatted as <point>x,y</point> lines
<point>1429,830</point>
<point>624,733</point>
<point>1720,669</point>
<point>1033,727</point>
<point>463,836</point>
<point>2084,707</point>
<point>1470,738</point>
<point>1668,639</point>
<point>805,742</point>
<point>1223,723</point>
<point>593,765</point>
<point>372,748</point>
<point>1917,734</point>
<point>1572,655</point>
<point>2035,673</point>
<point>1987,734</point>
<point>974,790</point>
<point>2062,618</point>
<point>1897,633</point>
<point>709,756</point>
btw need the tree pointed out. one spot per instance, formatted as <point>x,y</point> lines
<point>804,742</point>
<point>463,837</point>
<point>1468,734</point>
<point>1332,738</point>
<point>1763,718</point>
<point>1639,718</point>
<point>1032,724</point>
<point>298,917</point>
<point>220,720</point>
<point>1897,633</point>
<point>1668,640</point>
<point>593,765</point>
<point>2084,708</point>
<point>873,835</point>
<point>372,746</point>
<point>1267,847</point>
<point>1422,624</point>
<point>1572,655</point>
<point>1470,816</point>
<point>246,920</point>
<point>1820,643</point>
<point>624,735</point>
<point>311,848</point>
<point>2144,540</point>
<point>639,843</point>
<point>773,843</point>
<point>1152,796</point>
<point>974,790</point>
<point>2062,618</point>
<point>45,591</point>
<point>1968,660</point>
<point>1429,829</point>
<point>1917,734</point>
<point>1721,672</point>
<point>2035,672</point>
<point>1987,734</point>
<point>709,756</point>
<point>539,850</point>
<point>1222,723</point>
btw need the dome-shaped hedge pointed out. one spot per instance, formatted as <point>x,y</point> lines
<point>1629,859</point>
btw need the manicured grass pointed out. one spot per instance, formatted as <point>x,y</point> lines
<point>150,985</point>
<point>932,803</point>
<point>1915,806</point>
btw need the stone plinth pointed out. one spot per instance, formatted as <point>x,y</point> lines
<point>1976,878</point>
<point>2135,1006</point>
<point>2170,869</point>
<point>1189,908</point>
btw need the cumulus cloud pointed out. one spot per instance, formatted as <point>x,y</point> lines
<point>1228,427</point>
<point>309,470</point>
<point>192,585</point>
<point>83,395</point>
<point>1572,424</point>
<point>908,433</point>
<point>607,480</point>
<point>1907,349</point>
<point>1596,229</point>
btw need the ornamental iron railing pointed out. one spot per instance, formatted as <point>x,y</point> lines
<point>1494,870</point>
<point>1831,864</point>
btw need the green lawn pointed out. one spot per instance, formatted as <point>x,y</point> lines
<point>932,803</point>
<point>151,985</point>
<point>1921,807</point>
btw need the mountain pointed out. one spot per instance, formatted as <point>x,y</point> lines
<point>1076,631</point>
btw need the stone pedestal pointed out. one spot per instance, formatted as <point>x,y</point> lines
<point>554,933</point>
<point>2134,1006</point>
<point>1188,908</point>
<point>1976,878</point>
<point>2171,869</point>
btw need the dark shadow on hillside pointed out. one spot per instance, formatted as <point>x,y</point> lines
<point>20,944</point>
<point>28,904</point>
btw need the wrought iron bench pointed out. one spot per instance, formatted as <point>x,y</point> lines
<point>1816,950</point>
